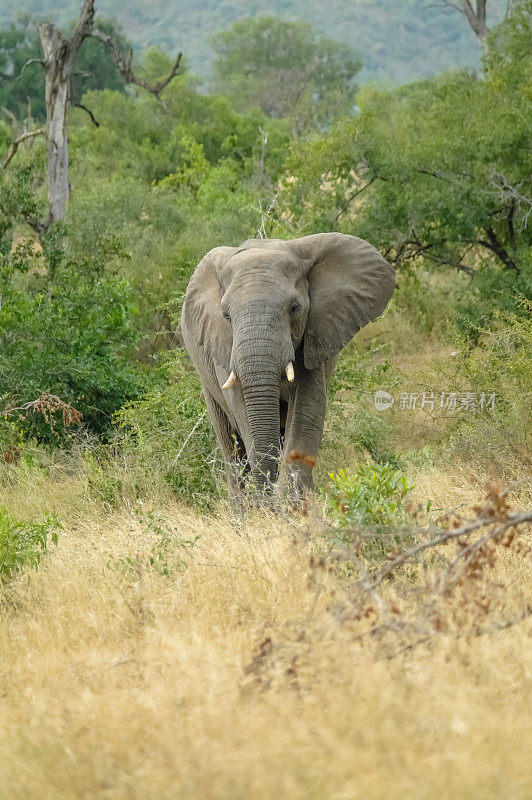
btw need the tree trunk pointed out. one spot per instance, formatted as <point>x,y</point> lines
<point>58,187</point>
<point>476,18</point>
<point>57,70</point>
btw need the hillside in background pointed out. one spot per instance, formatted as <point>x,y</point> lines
<point>398,42</point>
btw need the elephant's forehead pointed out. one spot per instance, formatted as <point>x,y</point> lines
<point>265,262</point>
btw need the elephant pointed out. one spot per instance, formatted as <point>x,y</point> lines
<point>263,324</point>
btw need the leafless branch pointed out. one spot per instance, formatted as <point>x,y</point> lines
<point>89,112</point>
<point>263,143</point>
<point>511,195</point>
<point>18,141</point>
<point>17,124</point>
<point>414,247</point>
<point>48,405</point>
<point>495,245</point>
<point>352,197</point>
<point>125,68</point>
<point>483,631</point>
<point>5,77</point>
<point>513,520</point>
<point>459,599</point>
<point>261,233</point>
<point>82,29</point>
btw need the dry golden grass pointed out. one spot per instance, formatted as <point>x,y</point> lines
<point>118,681</point>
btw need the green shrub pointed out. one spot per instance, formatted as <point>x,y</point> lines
<point>353,431</point>
<point>153,434</point>
<point>373,496</point>
<point>494,291</point>
<point>499,435</point>
<point>167,553</point>
<point>66,327</point>
<point>23,543</point>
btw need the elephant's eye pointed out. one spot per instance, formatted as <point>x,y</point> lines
<point>294,308</point>
<point>226,315</point>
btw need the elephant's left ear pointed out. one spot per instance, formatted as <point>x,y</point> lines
<point>350,284</point>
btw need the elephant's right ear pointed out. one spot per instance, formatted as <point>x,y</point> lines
<point>201,319</point>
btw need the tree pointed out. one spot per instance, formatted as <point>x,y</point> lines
<point>22,77</point>
<point>287,69</point>
<point>59,58</point>
<point>436,173</point>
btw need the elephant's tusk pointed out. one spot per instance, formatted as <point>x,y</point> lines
<point>230,382</point>
<point>290,371</point>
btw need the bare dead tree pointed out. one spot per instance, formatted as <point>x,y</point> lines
<point>58,64</point>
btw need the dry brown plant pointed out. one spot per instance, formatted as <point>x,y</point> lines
<point>262,663</point>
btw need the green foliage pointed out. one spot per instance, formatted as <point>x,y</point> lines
<point>22,88</point>
<point>167,552</point>
<point>495,291</point>
<point>436,173</point>
<point>173,184</point>
<point>24,91</point>
<point>154,141</point>
<point>65,327</point>
<point>373,496</point>
<point>350,428</point>
<point>23,543</point>
<point>18,199</point>
<point>287,69</point>
<point>501,362</point>
<point>154,431</point>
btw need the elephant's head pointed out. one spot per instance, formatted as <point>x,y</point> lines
<point>255,307</point>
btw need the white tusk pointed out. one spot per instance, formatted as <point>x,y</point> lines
<point>290,371</point>
<point>230,382</point>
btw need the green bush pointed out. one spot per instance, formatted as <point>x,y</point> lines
<point>353,431</point>
<point>66,325</point>
<point>153,434</point>
<point>373,496</point>
<point>23,543</point>
<point>499,437</point>
<point>493,291</point>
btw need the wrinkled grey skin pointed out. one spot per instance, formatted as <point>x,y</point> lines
<point>253,309</point>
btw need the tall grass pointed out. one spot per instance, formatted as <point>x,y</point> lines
<point>224,674</point>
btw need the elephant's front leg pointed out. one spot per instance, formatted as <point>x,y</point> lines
<point>304,430</point>
<point>233,450</point>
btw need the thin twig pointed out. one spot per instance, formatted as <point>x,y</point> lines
<point>192,432</point>
<point>22,138</point>
<point>261,232</point>
<point>4,76</point>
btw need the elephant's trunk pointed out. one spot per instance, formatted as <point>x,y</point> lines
<point>262,407</point>
<point>258,353</point>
